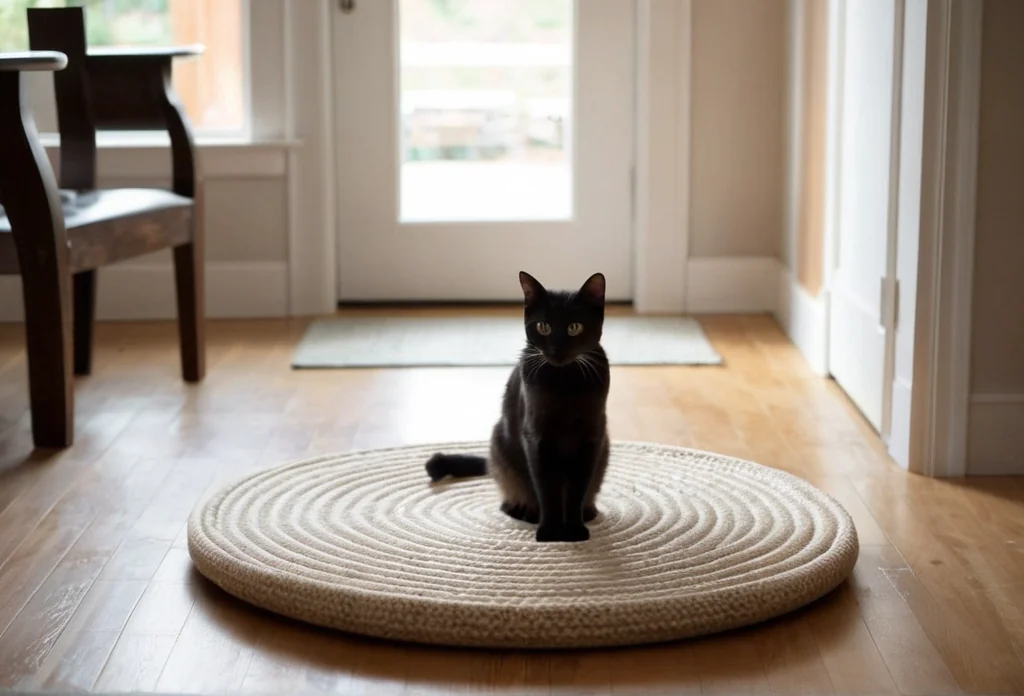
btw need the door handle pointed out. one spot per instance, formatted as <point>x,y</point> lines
<point>347,6</point>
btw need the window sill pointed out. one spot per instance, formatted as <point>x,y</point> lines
<point>129,156</point>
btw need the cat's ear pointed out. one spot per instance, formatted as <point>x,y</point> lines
<point>592,291</point>
<point>532,289</point>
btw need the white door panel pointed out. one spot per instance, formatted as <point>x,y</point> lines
<point>858,330</point>
<point>450,229</point>
<point>857,354</point>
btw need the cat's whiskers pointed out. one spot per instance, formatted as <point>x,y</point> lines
<point>533,361</point>
<point>588,366</point>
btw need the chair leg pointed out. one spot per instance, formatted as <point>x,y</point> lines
<point>85,313</point>
<point>48,341</point>
<point>37,225</point>
<point>188,276</point>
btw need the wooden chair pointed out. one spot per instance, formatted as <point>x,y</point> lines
<point>56,237</point>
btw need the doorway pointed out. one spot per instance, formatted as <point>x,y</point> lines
<point>477,139</point>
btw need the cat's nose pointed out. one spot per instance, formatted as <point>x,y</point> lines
<point>559,358</point>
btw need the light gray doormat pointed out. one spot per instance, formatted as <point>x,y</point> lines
<point>476,341</point>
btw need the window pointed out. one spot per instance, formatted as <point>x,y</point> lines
<point>212,87</point>
<point>486,109</point>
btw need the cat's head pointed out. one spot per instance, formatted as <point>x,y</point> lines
<point>560,324</point>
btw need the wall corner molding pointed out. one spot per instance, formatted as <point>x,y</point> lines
<point>804,318</point>
<point>941,398</point>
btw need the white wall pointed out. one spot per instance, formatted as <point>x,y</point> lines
<point>737,122</point>
<point>738,111</point>
<point>801,303</point>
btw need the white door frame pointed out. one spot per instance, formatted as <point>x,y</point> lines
<point>936,429</point>
<point>661,181</point>
<point>942,340</point>
<point>661,213</point>
<point>309,121</point>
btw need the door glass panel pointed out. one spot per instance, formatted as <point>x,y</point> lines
<point>485,109</point>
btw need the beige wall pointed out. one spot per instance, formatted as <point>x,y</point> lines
<point>738,105</point>
<point>996,435</point>
<point>807,86</point>
<point>998,334</point>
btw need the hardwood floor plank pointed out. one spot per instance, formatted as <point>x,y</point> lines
<point>913,661</point>
<point>374,667</point>
<point>731,664</point>
<point>135,663</point>
<point>290,658</point>
<point>79,654</point>
<point>162,609</point>
<point>658,669</point>
<point>578,672</point>
<point>791,659</point>
<point>854,663</point>
<point>37,610</point>
<point>75,662</point>
<point>965,626</point>
<point>214,648</point>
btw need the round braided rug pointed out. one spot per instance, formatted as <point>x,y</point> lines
<point>686,543</point>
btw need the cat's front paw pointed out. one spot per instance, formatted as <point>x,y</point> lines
<point>575,533</point>
<point>549,532</point>
<point>570,533</point>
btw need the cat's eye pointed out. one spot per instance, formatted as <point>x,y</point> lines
<point>575,328</point>
<point>543,328</point>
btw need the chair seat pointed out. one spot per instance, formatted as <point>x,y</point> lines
<point>105,226</point>
<point>84,208</point>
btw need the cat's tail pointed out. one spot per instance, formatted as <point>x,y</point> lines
<point>457,465</point>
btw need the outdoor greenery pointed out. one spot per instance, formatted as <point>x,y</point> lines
<point>526,23</point>
<point>503,21</point>
<point>108,22</point>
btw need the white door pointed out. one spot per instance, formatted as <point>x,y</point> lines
<point>860,324</point>
<point>478,138</point>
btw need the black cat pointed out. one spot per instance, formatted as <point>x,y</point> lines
<point>549,450</point>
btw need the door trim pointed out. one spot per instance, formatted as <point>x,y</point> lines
<point>890,294</point>
<point>833,161</point>
<point>661,197</point>
<point>940,400</point>
<point>309,118</point>
<point>661,207</point>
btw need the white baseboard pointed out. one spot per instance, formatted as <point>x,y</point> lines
<point>804,319</point>
<point>899,438</point>
<point>732,285</point>
<point>995,435</point>
<point>754,284</point>
<point>146,292</point>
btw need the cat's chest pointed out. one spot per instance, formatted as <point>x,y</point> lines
<point>547,407</point>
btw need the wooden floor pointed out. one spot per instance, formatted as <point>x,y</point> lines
<point>96,590</point>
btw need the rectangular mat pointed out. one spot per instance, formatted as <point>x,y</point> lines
<point>468,341</point>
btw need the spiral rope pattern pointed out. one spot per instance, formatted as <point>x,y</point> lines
<point>686,543</point>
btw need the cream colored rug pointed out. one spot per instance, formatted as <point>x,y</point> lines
<point>687,543</point>
<point>477,341</point>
